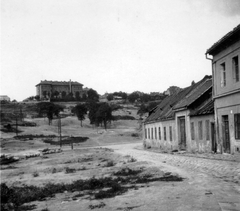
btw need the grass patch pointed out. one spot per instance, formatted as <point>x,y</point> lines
<point>67,141</point>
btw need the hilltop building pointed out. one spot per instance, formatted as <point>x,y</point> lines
<point>226,90</point>
<point>59,89</point>
<point>4,98</point>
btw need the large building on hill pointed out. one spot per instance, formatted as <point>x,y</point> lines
<point>59,89</point>
<point>226,90</point>
<point>4,98</point>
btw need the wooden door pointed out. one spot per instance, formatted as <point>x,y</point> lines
<point>226,136</point>
<point>182,133</point>
<point>213,137</point>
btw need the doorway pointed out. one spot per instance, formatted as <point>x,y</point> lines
<point>213,137</point>
<point>226,135</point>
<point>182,130</point>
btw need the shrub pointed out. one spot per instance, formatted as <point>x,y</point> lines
<point>70,170</point>
<point>132,159</point>
<point>110,163</point>
<point>35,174</point>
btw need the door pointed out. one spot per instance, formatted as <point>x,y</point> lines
<point>213,137</point>
<point>226,136</point>
<point>182,133</point>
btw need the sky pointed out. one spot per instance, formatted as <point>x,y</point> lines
<point>110,45</point>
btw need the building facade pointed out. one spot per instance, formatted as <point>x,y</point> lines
<point>59,89</point>
<point>4,98</point>
<point>226,90</point>
<point>183,121</point>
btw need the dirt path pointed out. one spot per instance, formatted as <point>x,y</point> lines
<point>203,190</point>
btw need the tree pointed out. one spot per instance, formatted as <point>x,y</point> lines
<point>142,110</point>
<point>110,97</point>
<point>104,114</point>
<point>92,95</point>
<point>92,108</point>
<point>80,110</point>
<point>37,97</point>
<point>49,109</point>
<point>133,97</point>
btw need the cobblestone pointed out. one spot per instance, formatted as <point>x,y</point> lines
<point>218,175</point>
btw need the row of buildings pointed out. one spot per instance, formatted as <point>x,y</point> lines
<point>204,117</point>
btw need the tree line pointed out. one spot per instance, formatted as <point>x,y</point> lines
<point>98,113</point>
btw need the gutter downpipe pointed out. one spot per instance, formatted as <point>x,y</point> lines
<point>219,148</point>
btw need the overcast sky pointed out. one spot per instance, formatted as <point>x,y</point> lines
<point>110,45</point>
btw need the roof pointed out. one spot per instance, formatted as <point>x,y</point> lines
<point>167,108</point>
<point>45,82</point>
<point>206,108</point>
<point>204,85</point>
<point>230,38</point>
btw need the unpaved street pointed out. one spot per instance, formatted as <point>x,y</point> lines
<point>210,184</point>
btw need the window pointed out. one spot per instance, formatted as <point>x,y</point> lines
<point>152,133</point>
<point>148,133</point>
<point>200,132</point>
<point>237,125</point>
<point>165,133</point>
<point>145,133</point>
<point>235,68</point>
<point>159,133</point>
<point>207,124</point>
<point>155,133</point>
<point>192,131</point>
<point>170,132</point>
<point>223,75</point>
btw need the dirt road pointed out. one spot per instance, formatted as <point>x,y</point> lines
<point>208,185</point>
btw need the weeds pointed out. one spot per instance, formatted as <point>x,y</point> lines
<point>109,163</point>
<point>99,188</point>
<point>132,160</point>
<point>97,206</point>
<point>70,170</point>
<point>66,141</point>
<point>54,170</point>
<point>35,174</point>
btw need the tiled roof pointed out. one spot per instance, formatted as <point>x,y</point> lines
<point>204,85</point>
<point>166,109</point>
<point>59,83</point>
<point>229,37</point>
<point>206,108</point>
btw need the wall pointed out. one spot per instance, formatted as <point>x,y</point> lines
<point>228,105</point>
<point>227,99</point>
<point>225,57</point>
<point>159,142</point>
<point>197,144</point>
<point>183,114</point>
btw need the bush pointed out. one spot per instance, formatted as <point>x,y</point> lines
<point>35,174</point>
<point>124,117</point>
<point>69,170</point>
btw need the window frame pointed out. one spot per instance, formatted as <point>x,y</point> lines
<point>207,127</point>
<point>159,133</point>
<point>235,68</point>
<point>223,74</point>
<point>200,130</point>
<point>165,133</point>
<point>237,126</point>
<point>192,131</point>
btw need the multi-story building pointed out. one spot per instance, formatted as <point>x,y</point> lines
<point>4,98</point>
<point>59,89</point>
<point>226,90</point>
